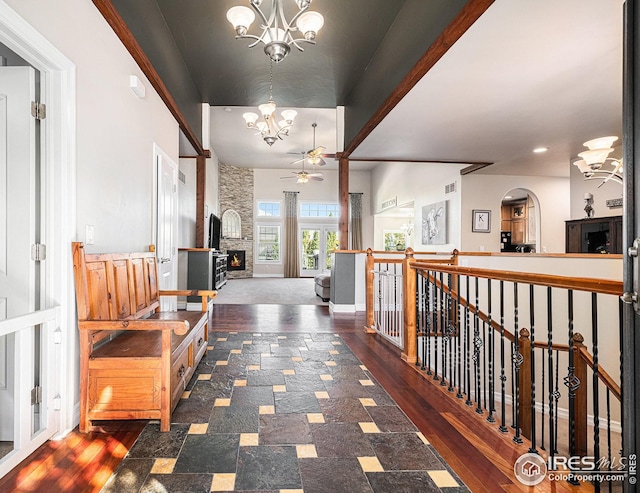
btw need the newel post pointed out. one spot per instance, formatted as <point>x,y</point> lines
<point>580,401</point>
<point>370,327</point>
<point>524,410</point>
<point>410,350</point>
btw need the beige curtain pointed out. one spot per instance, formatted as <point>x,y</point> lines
<point>356,221</point>
<point>291,250</point>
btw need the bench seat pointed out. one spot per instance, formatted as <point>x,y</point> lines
<point>135,360</point>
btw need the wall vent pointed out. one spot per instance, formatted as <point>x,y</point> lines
<point>182,177</point>
<point>450,188</point>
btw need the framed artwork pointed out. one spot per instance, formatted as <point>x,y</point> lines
<point>481,222</point>
<point>434,224</point>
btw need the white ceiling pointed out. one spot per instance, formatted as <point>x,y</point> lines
<point>526,74</point>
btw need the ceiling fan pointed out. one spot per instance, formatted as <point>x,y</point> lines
<point>315,155</point>
<point>303,176</point>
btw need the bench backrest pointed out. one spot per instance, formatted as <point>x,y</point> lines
<point>114,286</point>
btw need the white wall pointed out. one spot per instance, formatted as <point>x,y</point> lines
<point>115,129</point>
<point>487,191</point>
<point>422,184</point>
<point>268,185</point>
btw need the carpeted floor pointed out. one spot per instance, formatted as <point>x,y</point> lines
<point>269,290</point>
<point>284,412</point>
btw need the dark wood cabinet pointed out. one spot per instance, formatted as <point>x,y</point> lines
<point>594,235</point>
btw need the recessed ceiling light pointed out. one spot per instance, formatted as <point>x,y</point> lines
<point>227,109</point>
<point>508,196</point>
<point>538,150</point>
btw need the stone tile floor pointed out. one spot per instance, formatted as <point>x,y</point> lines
<point>295,413</point>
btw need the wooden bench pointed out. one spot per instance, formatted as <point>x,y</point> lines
<point>135,360</point>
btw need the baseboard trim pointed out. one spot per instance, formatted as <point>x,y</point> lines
<point>333,308</point>
<point>268,275</point>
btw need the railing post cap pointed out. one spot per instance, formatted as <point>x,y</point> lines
<point>409,252</point>
<point>524,332</point>
<point>455,252</point>
<point>578,338</point>
<point>369,251</point>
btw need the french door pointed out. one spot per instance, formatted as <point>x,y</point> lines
<point>27,330</point>
<point>317,243</point>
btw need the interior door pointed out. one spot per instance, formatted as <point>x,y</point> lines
<point>17,225</point>
<point>167,227</point>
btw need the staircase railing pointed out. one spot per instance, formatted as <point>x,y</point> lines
<point>548,384</point>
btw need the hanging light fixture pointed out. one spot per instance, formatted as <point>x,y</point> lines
<point>277,33</point>
<point>269,129</point>
<point>595,163</point>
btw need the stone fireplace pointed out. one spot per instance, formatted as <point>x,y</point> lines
<point>236,193</point>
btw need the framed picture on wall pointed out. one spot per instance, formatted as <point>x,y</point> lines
<point>481,221</point>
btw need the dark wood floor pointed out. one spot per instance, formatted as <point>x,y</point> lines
<point>482,457</point>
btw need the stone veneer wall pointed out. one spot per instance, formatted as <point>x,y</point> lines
<point>236,192</point>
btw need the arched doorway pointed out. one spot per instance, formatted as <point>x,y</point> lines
<point>520,222</point>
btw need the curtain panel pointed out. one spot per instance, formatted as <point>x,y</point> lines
<point>356,221</point>
<point>291,250</point>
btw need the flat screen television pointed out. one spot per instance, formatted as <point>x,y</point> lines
<point>215,227</point>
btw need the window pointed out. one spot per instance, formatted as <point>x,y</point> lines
<point>268,243</point>
<point>309,209</point>
<point>268,209</point>
<point>395,241</point>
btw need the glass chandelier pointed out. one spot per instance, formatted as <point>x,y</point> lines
<point>269,129</point>
<point>277,33</point>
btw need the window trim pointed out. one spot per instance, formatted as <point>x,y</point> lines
<point>318,218</point>
<point>268,201</point>
<point>270,224</point>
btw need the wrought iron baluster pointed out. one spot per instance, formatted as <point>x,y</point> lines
<point>458,338</point>
<point>573,383</point>
<point>543,400</point>
<point>552,397</point>
<point>609,432</point>
<point>424,318</point>
<point>517,361</point>
<point>532,364</point>
<point>443,331</point>
<point>477,344</point>
<point>503,376</point>
<point>556,398</point>
<point>450,331</point>
<point>492,388</point>
<point>429,321</point>
<point>596,382</point>
<point>468,402</point>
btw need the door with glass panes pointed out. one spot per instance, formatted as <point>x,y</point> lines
<point>317,244</point>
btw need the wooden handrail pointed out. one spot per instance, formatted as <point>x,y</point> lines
<point>602,374</point>
<point>602,286</point>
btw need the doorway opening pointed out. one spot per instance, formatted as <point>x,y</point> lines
<point>519,222</point>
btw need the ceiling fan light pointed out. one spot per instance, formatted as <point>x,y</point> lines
<point>600,142</point>
<point>267,109</point>
<point>240,18</point>
<point>289,115</point>
<point>313,160</point>
<point>250,119</point>
<point>309,24</point>
<point>595,157</point>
